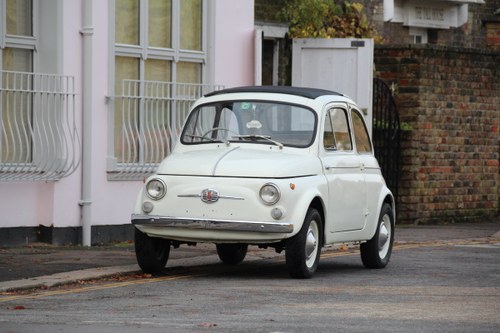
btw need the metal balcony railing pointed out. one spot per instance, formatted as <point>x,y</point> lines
<point>38,135</point>
<point>148,116</point>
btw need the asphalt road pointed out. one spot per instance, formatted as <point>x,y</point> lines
<point>440,286</point>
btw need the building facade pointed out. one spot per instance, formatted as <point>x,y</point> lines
<point>93,94</point>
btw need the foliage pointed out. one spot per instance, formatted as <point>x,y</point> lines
<point>385,125</point>
<point>328,19</point>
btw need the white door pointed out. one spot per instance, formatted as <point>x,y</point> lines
<point>369,165</point>
<point>344,174</point>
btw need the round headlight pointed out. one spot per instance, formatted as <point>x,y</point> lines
<point>270,194</point>
<point>156,189</point>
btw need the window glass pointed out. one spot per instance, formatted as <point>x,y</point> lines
<point>19,20</point>
<point>157,70</point>
<point>20,60</point>
<point>126,106</point>
<point>127,22</point>
<point>341,129</point>
<point>337,136</point>
<point>191,24</point>
<point>126,68</point>
<point>328,137</point>
<point>160,23</point>
<point>201,125</point>
<point>16,107</point>
<point>188,72</point>
<point>363,144</point>
<point>251,122</point>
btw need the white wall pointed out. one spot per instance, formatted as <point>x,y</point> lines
<point>57,204</point>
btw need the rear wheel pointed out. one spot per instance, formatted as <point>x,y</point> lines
<point>151,253</point>
<point>376,253</point>
<point>303,250</point>
<point>232,254</point>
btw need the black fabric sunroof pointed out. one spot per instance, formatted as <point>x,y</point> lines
<point>311,93</point>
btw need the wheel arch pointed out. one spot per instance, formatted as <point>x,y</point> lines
<point>318,204</point>
<point>389,199</point>
<point>385,197</point>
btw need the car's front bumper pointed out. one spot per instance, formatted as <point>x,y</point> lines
<point>210,224</point>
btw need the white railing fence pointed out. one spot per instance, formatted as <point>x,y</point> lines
<point>148,117</point>
<point>39,140</point>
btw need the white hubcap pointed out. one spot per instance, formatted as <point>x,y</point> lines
<point>384,236</point>
<point>312,244</point>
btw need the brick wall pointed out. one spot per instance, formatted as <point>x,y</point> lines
<point>451,99</point>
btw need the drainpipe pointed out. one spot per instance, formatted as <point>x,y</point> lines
<point>87,32</point>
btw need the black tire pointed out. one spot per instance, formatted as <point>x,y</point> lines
<point>304,249</point>
<point>232,254</point>
<point>376,252</point>
<point>151,253</point>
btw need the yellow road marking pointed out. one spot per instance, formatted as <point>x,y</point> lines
<point>97,287</point>
<point>338,254</point>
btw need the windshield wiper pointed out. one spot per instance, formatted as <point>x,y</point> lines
<point>255,137</point>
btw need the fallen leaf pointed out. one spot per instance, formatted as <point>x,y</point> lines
<point>343,248</point>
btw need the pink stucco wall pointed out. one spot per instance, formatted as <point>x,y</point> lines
<point>234,42</point>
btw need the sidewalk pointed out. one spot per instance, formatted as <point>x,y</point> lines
<point>46,265</point>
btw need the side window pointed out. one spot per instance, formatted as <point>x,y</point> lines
<point>363,144</point>
<point>328,137</point>
<point>336,135</point>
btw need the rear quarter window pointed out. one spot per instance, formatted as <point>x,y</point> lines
<point>363,143</point>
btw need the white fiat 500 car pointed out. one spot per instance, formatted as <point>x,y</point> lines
<point>283,167</point>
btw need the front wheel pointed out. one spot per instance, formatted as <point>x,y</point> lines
<point>232,254</point>
<point>303,250</point>
<point>376,252</point>
<point>151,253</point>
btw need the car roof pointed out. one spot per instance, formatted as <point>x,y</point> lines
<point>311,93</point>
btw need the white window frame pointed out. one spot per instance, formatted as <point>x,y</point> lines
<point>415,33</point>
<point>144,52</point>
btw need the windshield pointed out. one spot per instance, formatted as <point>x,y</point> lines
<point>249,121</point>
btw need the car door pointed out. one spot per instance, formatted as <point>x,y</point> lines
<point>343,171</point>
<point>369,165</point>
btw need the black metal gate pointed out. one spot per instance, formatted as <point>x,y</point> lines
<point>386,134</point>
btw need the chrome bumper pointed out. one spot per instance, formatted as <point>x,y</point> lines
<point>187,223</point>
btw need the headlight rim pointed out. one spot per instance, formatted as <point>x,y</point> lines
<point>278,191</point>
<point>164,192</point>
